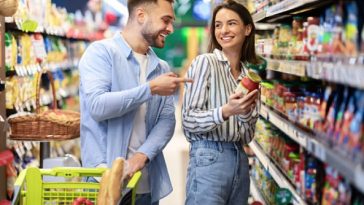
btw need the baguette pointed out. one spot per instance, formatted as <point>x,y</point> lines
<point>116,181</point>
<point>102,196</point>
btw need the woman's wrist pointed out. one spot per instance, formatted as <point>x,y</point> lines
<point>225,112</point>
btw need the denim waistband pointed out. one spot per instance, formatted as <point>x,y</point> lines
<point>216,145</point>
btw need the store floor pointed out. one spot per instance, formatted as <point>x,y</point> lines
<point>176,154</point>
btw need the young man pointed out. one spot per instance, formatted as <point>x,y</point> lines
<point>126,107</point>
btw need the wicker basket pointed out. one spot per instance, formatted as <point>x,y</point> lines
<point>50,125</point>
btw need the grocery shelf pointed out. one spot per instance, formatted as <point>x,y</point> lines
<point>265,26</point>
<point>347,74</point>
<point>259,16</point>
<point>284,125</point>
<point>274,171</point>
<point>255,192</point>
<point>10,25</point>
<point>297,68</point>
<point>287,8</point>
<point>352,171</point>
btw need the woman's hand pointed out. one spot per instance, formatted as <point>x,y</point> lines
<point>239,104</point>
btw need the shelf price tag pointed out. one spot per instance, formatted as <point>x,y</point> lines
<point>321,152</point>
<point>316,149</point>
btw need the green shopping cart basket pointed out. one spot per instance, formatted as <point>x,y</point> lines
<point>30,189</point>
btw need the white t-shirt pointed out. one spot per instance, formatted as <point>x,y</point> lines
<point>138,135</point>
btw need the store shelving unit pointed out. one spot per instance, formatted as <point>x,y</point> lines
<point>347,71</point>
<point>352,171</point>
<point>257,195</point>
<point>276,174</point>
<point>70,41</point>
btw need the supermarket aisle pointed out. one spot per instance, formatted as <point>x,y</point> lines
<point>176,154</point>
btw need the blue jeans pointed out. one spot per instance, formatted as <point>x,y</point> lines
<point>218,173</point>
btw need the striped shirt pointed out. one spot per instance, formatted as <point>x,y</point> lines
<point>203,100</point>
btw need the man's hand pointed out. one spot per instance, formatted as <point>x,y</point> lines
<point>239,104</point>
<point>136,163</point>
<point>166,84</point>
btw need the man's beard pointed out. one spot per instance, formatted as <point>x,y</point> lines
<point>151,37</point>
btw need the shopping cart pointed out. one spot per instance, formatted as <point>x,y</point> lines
<point>30,189</point>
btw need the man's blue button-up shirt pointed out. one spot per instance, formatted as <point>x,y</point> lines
<point>110,93</point>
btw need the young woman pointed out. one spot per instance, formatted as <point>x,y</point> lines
<point>216,120</point>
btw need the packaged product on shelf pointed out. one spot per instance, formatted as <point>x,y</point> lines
<point>329,122</point>
<point>340,113</point>
<point>39,48</point>
<point>313,32</point>
<point>275,49</point>
<point>311,184</point>
<point>284,39</point>
<point>305,51</point>
<point>10,51</point>
<point>290,105</point>
<point>296,44</point>
<point>325,104</point>
<point>267,93</point>
<point>326,38</point>
<point>356,131</point>
<point>348,116</point>
<point>338,46</point>
<point>314,115</point>
<point>336,189</point>
<point>11,92</point>
<point>351,30</point>
<point>26,49</point>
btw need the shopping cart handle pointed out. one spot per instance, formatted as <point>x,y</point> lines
<point>18,187</point>
<point>134,180</point>
<point>73,172</point>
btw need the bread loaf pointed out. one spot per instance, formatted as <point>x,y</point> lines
<point>8,7</point>
<point>115,181</point>
<point>102,196</point>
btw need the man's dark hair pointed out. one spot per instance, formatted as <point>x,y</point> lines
<point>248,48</point>
<point>132,4</point>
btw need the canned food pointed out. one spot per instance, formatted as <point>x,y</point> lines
<point>249,83</point>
